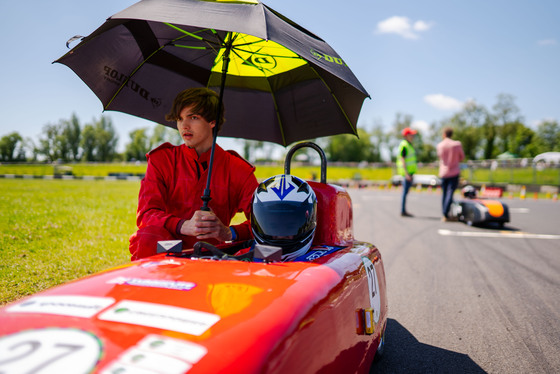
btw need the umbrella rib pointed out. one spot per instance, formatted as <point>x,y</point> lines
<point>336,100</point>
<point>131,75</point>
<point>211,43</point>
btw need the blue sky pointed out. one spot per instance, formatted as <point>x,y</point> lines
<point>422,58</point>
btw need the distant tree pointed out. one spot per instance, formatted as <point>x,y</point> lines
<point>139,145</point>
<point>518,139</point>
<point>106,139</point>
<point>349,148</point>
<point>71,131</point>
<point>548,136</point>
<point>513,137</point>
<point>31,149</point>
<point>49,146</point>
<point>162,134</point>
<point>426,152</point>
<point>524,144</point>
<point>505,120</point>
<point>99,141</point>
<point>88,143</point>
<point>378,139</point>
<point>12,148</point>
<point>61,141</point>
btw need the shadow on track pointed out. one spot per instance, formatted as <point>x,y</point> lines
<point>405,354</point>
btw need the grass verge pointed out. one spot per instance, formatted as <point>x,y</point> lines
<point>53,231</point>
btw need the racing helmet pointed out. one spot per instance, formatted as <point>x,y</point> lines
<point>284,214</point>
<point>469,192</point>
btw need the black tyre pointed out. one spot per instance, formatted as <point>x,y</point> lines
<point>380,348</point>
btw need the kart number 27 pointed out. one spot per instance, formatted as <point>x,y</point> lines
<point>50,350</point>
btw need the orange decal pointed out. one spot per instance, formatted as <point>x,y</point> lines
<point>495,208</point>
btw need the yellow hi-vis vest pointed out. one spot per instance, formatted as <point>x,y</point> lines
<point>410,159</point>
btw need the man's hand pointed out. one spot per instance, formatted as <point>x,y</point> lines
<point>206,225</point>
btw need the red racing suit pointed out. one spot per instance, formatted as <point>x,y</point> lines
<point>171,192</point>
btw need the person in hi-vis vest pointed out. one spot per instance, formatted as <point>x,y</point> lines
<point>406,165</point>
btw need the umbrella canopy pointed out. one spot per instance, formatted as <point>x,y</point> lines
<point>281,83</point>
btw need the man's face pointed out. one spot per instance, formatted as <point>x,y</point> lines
<point>195,130</point>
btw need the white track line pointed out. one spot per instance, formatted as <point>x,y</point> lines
<point>519,210</point>
<point>499,234</point>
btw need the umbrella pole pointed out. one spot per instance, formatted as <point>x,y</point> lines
<point>206,196</point>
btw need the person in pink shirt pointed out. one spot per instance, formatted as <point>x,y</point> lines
<point>450,153</point>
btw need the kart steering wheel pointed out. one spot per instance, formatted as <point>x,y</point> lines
<point>218,254</point>
<point>199,246</point>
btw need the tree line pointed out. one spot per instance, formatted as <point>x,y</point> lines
<point>484,134</point>
<point>69,141</point>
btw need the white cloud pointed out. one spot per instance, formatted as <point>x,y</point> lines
<point>547,42</point>
<point>421,26</point>
<point>421,126</point>
<point>443,102</point>
<point>402,26</point>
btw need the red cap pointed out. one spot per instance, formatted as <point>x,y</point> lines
<point>408,131</point>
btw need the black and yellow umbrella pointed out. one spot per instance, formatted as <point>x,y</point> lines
<point>282,83</point>
<point>279,82</point>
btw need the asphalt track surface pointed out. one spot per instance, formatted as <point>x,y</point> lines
<point>465,299</point>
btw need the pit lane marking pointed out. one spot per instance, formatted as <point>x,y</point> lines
<point>519,210</point>
<point>500,234</point>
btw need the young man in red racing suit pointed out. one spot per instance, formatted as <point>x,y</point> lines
<point>170,194</point>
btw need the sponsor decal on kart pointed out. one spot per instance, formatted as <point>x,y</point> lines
<point>318,251</point>
<point>373,285</point>
<point>155,283</point>
<point>159,316</point>
<point>49,350</point>
<point>155,352</point>
<point>68,305</point>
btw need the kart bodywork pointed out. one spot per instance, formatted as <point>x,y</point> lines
<point>177,313</point>
<point>479,211</point>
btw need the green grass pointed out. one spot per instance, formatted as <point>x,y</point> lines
<point>527,175</point>
<point>262,172</point>
<point>334,173</point>
<point>53,231</point>
<point>80,169</point>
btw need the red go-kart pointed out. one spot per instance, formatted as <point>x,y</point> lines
<point>204,311</point>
